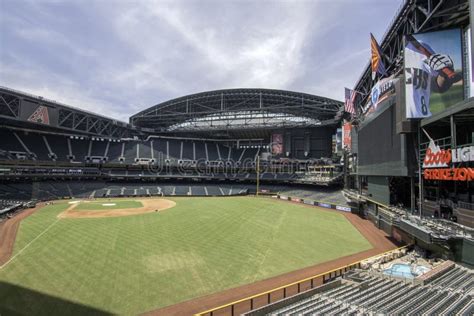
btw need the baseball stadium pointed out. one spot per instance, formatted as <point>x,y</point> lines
<point>253,201</point>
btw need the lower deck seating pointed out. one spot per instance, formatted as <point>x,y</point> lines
<point>49,190</point>
<point>374,294</point>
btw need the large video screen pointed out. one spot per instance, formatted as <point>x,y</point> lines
<point>378,141</point>
<point>380,148</point>
<point>433,72</point>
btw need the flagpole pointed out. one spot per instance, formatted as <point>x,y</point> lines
<point>420,179</point>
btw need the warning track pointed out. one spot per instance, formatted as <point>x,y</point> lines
<point>8,231</point>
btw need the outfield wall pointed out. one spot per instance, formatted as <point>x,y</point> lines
<point>343,208</point>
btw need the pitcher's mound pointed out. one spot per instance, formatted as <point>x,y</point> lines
<point>149,206</point>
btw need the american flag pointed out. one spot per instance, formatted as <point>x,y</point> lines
<point>349,104</point>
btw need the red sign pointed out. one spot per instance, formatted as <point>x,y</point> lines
<point>449,174</point>
<point>436,157</point>
<point>440,158</point>
<point>346,135</point>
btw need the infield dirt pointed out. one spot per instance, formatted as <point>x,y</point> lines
<point>149,206</point>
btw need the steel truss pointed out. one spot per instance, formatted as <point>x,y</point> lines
<point>226,109</point>
<point>69,118</point>
<point>414,16</point>
<point>9,106</point>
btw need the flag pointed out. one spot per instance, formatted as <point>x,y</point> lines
<point>377,61</point>
<point>349,104</point>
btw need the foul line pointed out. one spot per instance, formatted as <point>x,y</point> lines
<point>27,245</point>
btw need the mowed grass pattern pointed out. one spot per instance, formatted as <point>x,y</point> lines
<point>133,264</point>
<point>102,205</point>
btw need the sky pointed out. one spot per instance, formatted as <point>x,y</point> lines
<point>118,57</point>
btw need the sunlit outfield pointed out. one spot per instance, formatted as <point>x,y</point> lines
<point>134,264</point>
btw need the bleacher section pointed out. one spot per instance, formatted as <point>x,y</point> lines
<point>79,149</point>
<point>10,142</point>
<point>366,293</point>
<point>8,207</point>
<point>48,190</point>
<point>59,146</point>
<point>67,148</point>
<point>320,194</point>
<point>35,144</point>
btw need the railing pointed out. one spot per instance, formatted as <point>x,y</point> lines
<point>264,298</point>
<point>469,206</point>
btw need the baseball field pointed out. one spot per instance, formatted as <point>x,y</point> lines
<point>67,259</point>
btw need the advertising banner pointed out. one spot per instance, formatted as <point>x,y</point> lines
<point>470,64</point>
<point>277,144</point>
<point>382,90</point>
<point>326,205</point>
<point>433,72</point>
<point>338,140</point>
<point>346,135</point>
<point>471,46</point>
<point>343,208</point>
<point>448,164</point>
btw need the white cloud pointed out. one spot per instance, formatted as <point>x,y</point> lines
<point>263,53</point>
<point>137,53</point>
<point>60,89</point>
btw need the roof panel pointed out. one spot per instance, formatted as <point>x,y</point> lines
<point>210,103</point>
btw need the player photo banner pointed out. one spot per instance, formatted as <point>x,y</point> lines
<point>433,72</point>
<point>471,43</point>
<point>346,137</point>
<point>277,144</point>
<point>469,67</point>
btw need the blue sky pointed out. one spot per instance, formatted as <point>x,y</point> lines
<point>117,57</point>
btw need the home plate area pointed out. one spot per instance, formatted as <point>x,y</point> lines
<point>95,209</point>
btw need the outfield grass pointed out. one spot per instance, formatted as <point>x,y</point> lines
<point>132,264</point>
<point>97,205</point>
